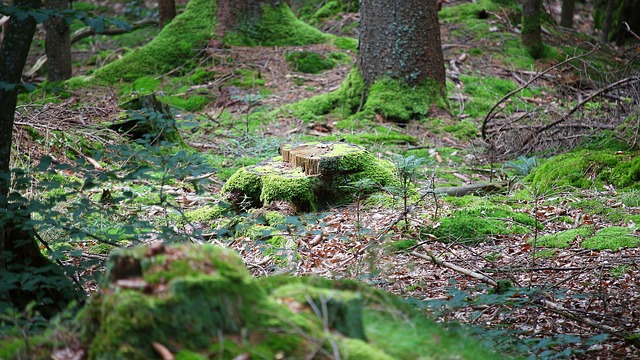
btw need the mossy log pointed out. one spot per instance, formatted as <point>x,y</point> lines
<point>306,173</point>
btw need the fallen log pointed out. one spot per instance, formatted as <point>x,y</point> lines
<point>480,189</point>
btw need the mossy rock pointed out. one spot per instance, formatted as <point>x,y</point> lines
<point>308,175</point>
<point>563,239</point>
<point>612,238</point>
<point>588,168</point>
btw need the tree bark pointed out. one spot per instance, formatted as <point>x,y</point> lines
<point>608,20</point>
<point>234,13</point>
<point>630,14</point>
<point>400,39</point>
<point>13,55</point>
<point>166,11</point>
<point>566,17</point>
<point>531,28</point>
<point>58,43</point>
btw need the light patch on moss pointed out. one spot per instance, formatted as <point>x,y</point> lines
<point>387,97</point>
<point>180,40</point>
<point>278,26</point>
<point>612,238</point>
<point>586,168</point>
<point>563,239</point>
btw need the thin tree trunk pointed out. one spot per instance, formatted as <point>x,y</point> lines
<point>166,11</point>
<point>608,20</point>
<point>566,17</point>
<point>58,43</point>
<point>531,28</point>
<point>13,55</point>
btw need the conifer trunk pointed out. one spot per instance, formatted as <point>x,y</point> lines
<point>400,39</point>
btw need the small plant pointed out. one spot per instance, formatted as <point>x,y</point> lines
<point>360,189</point>
<point>408,168</point>
<point>523,165</point>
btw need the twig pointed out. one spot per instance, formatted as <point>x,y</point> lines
<point>436,260</point>
<point>489,115</point>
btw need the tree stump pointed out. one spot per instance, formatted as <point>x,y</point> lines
<point>147,118</point>
<point>308,176</point>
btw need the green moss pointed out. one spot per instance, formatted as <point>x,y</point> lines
<point>563,239</point>
<point>389,98</point>
<point>205,214</point>
<point>398,102</point>
<point>309,62</point>
<point>346,43</point>
<point>247,79</point>
<point>180,40</point>
<point>585,169</point>
<point>295,190</point>
<point>476,224</point>
<point>244,182</point>
<point>277,26</point>
<point>190,103</point>
<point>612,238</point>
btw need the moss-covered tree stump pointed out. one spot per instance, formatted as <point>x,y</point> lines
<point>308,176</point>
<point>149,119</point>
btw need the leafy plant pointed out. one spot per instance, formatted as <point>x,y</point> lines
<point>523,165</point>
<point>408,169</point>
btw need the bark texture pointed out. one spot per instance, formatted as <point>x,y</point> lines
<point>166,11</point>
<point>400,39</point>
<point>629,14</point>
<point>233,14</point>
<point>531,28</point>
<point>13,55</point>
<point>58,43</point>
<point>566,17</point>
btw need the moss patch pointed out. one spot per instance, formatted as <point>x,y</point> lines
<point>386,97</point>
<point>612,238</point>
<point>309,62</point>
<point>481,220</point>
<point>278,26</point>
<point>180,40</point>
<point>563,239</point>
<point>587,168</point>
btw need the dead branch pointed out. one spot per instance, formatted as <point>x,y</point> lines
<point>436,260</point>
<point>89,31</point>
<point>473,188</point>
<point>580,105</point>
<point>489,115</point>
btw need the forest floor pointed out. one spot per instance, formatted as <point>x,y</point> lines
<point>594,292</point>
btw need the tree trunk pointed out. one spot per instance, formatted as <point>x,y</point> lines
<point>608,20</point>
<point>166,11</point>
<point>58,43</point>
<point>531,28</point>
<point>13,55</point>
<point>235,13</point>
<point>566,18</point>
<point>49,288</point>
<point>400,39</point>
<point>630,14</point>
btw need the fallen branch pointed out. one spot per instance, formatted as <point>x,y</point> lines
<point>473,188</point>
<point>489,115</point>
<point>436,260</point>
<point>89,31</point>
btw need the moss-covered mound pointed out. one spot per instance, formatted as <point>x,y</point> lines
<point>177,43</point>
<point>588,168</point>
<point>199,302</point>
<point>278,26</point>
<point>386,97</point>
<point>308,175</point>
<point>610,238</point>
<point>480,220</point>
